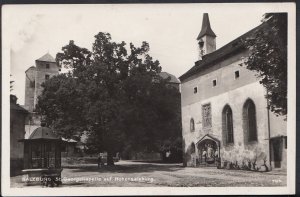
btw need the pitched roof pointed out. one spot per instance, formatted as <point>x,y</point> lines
<point>31,67</point>
<point>224,52</point>
<point>206,29</point>
<point>43,133</point>
<point>209,136</point>
<point>172,78</point>
<point>17,107</point>
<point>46,58</point>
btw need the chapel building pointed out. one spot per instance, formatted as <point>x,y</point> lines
<point>225,115</point>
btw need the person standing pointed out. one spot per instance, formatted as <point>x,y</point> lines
<point>210,152</point>
<point>99,161</point>
<point>204,154</point>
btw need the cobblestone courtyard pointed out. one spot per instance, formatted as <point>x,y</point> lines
<point>142,174</point>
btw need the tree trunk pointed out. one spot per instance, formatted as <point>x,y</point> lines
<point>110,160</point>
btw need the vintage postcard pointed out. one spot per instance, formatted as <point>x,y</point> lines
<point>148,99</point>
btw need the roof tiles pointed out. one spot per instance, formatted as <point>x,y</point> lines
<point>43,133</point>
<point>46,58</point>
<point>231,48</point>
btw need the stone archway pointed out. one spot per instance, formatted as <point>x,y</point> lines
<point>208,151</point>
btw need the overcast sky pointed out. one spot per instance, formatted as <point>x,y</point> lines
<point>171,30</point>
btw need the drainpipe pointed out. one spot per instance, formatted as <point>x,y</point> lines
<point>269,132</point>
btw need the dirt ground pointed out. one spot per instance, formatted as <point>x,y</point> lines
<point>143,174</point>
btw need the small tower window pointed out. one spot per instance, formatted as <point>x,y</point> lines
<point>32,84</point>
<point>46,77</point>
<point>214,82</point>
<point>201,43</point>
<point>195,90</point>
<point>236,74</point>
<point>47,66</point>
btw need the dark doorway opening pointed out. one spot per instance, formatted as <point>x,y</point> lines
<point>277,151</point>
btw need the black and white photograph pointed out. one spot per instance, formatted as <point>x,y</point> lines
<point>168,99</point>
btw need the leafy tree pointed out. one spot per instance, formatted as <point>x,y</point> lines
<point>114,95</point>
<point>153,116</point>
<point>268,56</point>
<point>61,105</point>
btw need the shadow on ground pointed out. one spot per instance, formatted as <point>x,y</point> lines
<point>127,168</point>
<point>155,161</point>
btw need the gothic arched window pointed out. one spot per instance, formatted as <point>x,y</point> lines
<point>227,125</point>
<point>249,115</point>
<point>192,125</point>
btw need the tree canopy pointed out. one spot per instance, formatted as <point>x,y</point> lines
<point>268,56</point>
<point>113,92</point>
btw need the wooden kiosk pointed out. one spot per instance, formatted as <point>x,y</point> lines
<point>42,157</point>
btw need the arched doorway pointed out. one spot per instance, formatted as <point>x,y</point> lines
<point>208,150</point>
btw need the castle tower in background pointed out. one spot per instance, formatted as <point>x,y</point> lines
<point>29,88</point>
<point>45,68</point>
<point>206,38</point>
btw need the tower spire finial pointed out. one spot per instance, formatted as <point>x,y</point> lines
<point>206,39</point>
<point>206,29</point>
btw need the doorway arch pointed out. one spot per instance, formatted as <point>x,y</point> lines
<point>208,150</point>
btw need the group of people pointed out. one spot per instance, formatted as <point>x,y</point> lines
<point>209,152</point>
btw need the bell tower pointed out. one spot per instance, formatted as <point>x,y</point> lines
<point>45,68</point>
<point>206,39</point>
